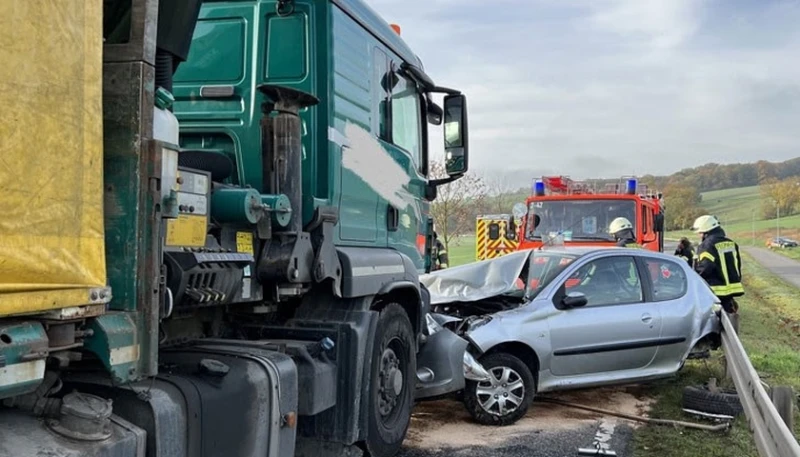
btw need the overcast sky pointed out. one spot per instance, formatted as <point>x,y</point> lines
<point>594,88</point>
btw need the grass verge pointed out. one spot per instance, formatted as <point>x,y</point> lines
<point>769,330</point>
<point>462,250</point>
<point>792,253</point>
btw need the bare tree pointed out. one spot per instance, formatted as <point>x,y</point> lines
<point>501,195</point>
<point>455,206</point>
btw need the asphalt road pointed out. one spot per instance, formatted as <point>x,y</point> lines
<point>444,428</point>
<point>537,443</point>
<point>786,268</point>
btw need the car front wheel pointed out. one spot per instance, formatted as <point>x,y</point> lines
<point>504,399</point>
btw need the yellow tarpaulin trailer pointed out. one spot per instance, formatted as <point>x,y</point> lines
<point>52,251</point>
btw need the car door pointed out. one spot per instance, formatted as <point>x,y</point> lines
<point>616,330</point>
<point>669,293</point>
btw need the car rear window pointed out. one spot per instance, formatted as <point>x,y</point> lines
<point>667,278</point>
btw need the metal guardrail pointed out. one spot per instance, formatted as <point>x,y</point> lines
<point>772,435</point>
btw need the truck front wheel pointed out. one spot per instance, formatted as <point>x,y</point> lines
<point>394,363</point>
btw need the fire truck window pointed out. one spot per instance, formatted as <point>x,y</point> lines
<point>579,219</point>
<point>494,231</point>
<point>644,219</point>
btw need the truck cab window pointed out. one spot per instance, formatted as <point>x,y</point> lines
<point>406,119</point>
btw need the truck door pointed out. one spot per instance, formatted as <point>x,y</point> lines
<point>406,141</point>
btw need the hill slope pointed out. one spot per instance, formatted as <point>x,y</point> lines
<point>739,210</point>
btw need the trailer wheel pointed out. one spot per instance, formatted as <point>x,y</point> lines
<point>394,362</point>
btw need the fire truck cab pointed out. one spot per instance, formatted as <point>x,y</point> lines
<point>577,213</point>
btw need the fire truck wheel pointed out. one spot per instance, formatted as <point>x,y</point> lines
<point>394,363</point>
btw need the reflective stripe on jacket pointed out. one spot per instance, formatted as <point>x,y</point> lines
<point>719,263</point>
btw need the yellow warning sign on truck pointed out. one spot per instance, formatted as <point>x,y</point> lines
<point>495,235</point>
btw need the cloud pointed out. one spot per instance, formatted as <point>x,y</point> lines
<point>610,87</point>
<point>661,23</point>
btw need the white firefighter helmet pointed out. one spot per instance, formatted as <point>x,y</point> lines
<point>619,224</point>
<point>705,224</point>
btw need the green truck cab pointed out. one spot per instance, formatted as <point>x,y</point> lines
<point>264,192</point>
<point>362,166</point>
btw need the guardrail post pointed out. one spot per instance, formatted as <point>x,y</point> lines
<point>734,319</point>
<point>783,398</point>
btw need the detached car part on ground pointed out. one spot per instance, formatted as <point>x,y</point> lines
<point>565,318</point>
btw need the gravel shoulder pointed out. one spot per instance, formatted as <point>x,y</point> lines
<point>444,428</point>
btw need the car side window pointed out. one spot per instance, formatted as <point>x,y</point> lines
<point>668,279</point>
<point>607,281</point>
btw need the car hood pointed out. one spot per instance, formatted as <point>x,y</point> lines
<point>476,281</point>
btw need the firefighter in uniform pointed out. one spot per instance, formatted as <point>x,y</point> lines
<point>718,262</point>
<point>438,254</point>
<point>622,229</point>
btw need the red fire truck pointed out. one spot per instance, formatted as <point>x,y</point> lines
<point>578,213</point>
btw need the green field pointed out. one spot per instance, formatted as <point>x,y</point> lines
<point>739,210</point>
<point>770,331</point>
<point>462,250</point>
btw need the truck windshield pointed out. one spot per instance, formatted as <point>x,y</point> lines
<point>578,220</point>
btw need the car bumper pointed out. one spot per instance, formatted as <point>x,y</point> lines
<point>444,365</point>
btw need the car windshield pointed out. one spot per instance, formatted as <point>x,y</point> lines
<point>541,269</point>
<point>585,220</point>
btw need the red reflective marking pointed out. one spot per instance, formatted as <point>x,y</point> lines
<point>421,243</point>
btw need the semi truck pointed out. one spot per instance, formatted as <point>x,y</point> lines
<point>214,219</point>
<point>561,210</point>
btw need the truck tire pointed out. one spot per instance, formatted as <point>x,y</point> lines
<point>394,365</point>
<point>699,398</point>
<point>521,385</point>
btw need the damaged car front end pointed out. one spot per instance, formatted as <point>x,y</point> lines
<point>564,318</point>
<point>444,363</point>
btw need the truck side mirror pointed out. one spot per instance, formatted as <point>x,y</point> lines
<point>456,137</point>
<point>659,222</point>
<point>511,229</point>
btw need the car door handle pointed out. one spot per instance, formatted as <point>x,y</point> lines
<point>646,318</point>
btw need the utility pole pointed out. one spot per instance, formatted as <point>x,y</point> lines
<point>778,224</point>
<point>754,226</point>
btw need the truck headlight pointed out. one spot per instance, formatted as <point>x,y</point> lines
<point>473,370</point>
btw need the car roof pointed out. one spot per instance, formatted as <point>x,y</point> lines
<point>582,251</point>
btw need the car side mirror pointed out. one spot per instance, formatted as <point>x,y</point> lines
<point>456,135</point>
<point>574,300</point>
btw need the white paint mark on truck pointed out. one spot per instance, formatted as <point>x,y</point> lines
<point>363,155</point>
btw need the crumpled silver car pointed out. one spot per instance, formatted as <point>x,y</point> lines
<point>571,317</point>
